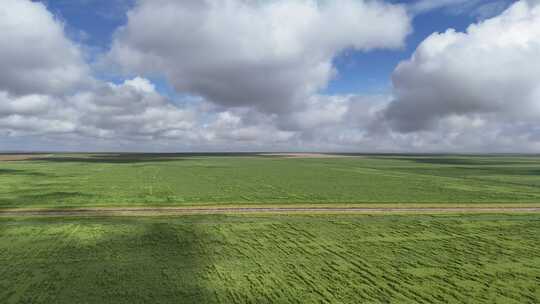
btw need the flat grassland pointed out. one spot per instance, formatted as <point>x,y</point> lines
<point>272,259</point>
<point>267,258</point>
<point>131,180</point>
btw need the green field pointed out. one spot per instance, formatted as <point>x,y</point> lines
<point>272,259</point>
<point>83,180</point>
<point>269,258</point>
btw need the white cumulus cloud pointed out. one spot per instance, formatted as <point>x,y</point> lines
<point>267,54</point>
<point>491,69</point>
<point>35,55</point>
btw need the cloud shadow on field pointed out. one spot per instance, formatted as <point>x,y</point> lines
<point>103,260</point>
<point>127,158</point>
<point>21,172</point>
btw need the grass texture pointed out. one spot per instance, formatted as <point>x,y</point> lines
<point>272,259</point>
<point>101,180</point>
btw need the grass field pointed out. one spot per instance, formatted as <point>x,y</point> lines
<point>272,259</point>
<point>83,180</point>
<point>268,258</point>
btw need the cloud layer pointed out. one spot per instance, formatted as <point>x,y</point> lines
<point>254,71</point>
<point>46,87</point>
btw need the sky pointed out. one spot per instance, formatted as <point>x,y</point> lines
<point>270,75</point>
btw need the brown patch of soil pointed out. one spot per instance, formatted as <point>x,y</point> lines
<point>306,155</point>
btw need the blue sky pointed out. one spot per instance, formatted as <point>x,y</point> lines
<point>369,73</point>
<point>93,23</point>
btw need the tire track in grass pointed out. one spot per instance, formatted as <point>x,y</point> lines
<point>142,211</point>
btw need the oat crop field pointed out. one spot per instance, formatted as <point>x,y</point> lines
<point>272,259</point>
<point>105,180</point>
<point>76,249</point>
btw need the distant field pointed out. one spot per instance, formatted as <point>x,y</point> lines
<point>84,180</point>
<point>271,259</point>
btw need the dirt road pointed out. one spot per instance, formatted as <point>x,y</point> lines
<point>244,210</point>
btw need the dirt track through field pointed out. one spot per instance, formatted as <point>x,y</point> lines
<point>244,210</point>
